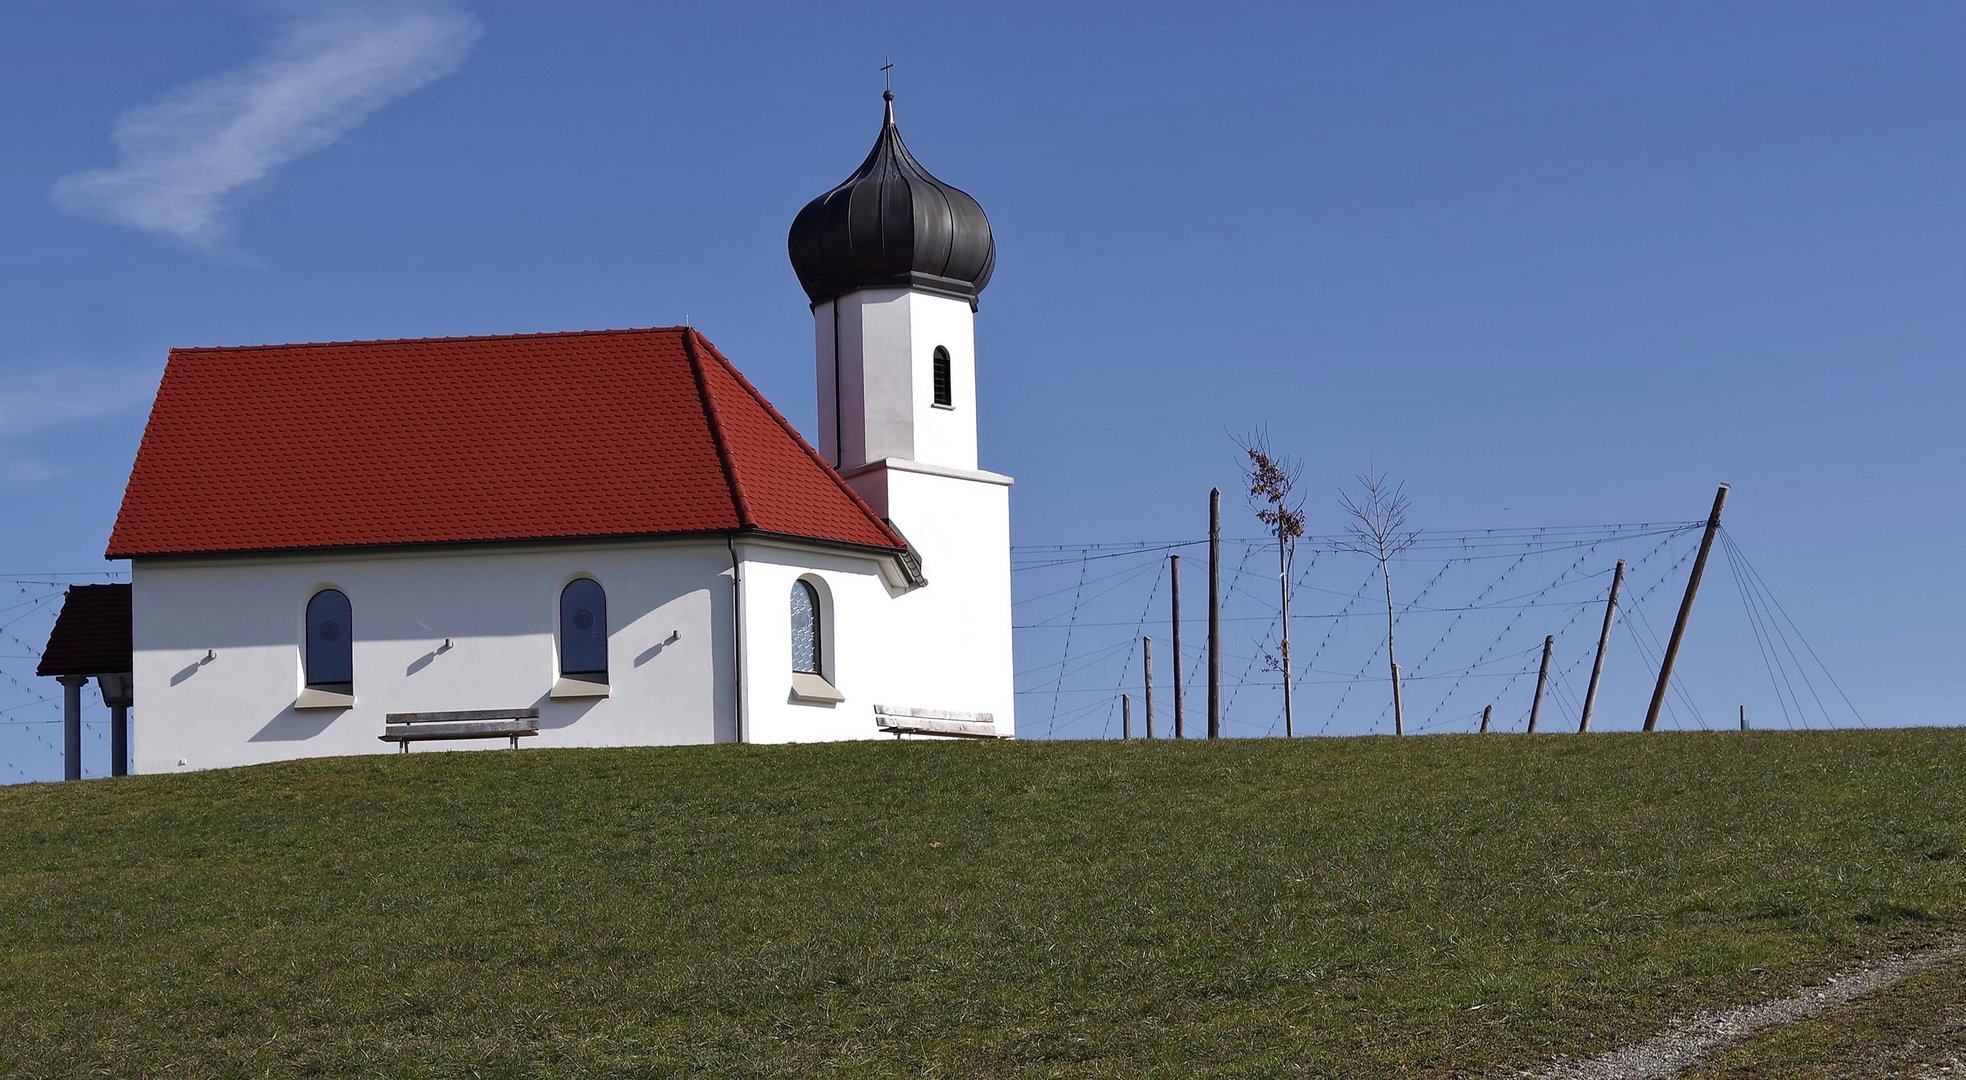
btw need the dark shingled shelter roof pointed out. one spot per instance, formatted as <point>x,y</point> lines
<point>92,633</point>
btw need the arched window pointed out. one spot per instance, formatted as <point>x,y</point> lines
<point>807,646</point>
<point>945,391</point>
<point>330,655</point>
<point>584,631</point>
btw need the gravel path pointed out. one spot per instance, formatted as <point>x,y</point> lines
<point>1686,1042</point>
<point>1952,1068</point>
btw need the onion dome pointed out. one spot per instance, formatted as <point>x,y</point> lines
<point>892,225</point>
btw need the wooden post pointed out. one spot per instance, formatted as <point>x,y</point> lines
<point>1283,578</point>
<point>1126,717</point>
<point>1603,642</point>
<point>1174,578</point>
<point>1744,718</point>
<point>1685,612</point>
<point>1215,613</point>
<point>1147,662</point>
<point>1485,711</point>
<point>1542,677</point>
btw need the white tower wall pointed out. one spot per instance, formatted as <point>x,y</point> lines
<point>915,462</point>
<point>880,403</point>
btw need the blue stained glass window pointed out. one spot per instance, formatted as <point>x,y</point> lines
<point>330,655</point>
<point>805,628</point>
<point>584,630</point>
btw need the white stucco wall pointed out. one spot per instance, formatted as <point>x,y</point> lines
<point>957,627</point>
<point>886,388</point>
<point>671,673</point>
<point>857,647</point>
<point>945,645</point>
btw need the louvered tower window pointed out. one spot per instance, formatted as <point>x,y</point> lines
<point>945,394</point>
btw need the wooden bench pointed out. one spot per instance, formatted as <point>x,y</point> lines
<point>899,721</point>
<point>405,728</point>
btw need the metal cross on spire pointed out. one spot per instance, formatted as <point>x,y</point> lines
<point>887,67</point>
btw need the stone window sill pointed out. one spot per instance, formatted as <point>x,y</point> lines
<point>311,698</point>
<point>809,687</point>
<point>578,688</point>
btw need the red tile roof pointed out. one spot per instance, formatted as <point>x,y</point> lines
<point>92,633</point>
<point>447,440</point>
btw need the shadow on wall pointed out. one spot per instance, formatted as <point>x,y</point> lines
<point>294,725</point>
<point>655,650</point>
<point>562,712</point>
<point>426,659</point>
<point>192,668</point>
<point>300,725</point>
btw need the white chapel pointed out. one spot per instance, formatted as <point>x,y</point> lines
<point>601,538</point>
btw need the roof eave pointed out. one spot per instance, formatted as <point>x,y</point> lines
<point>507,541</point>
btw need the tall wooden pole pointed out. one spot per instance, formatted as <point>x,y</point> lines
<point>1147,664</point>
<point>1485,711</point>
<point>1685,611</point>
<point>1126,717</point>
<point>1215,613</point>
<point>1174,578</point>
<point>1542,678</point>
<point>1603,642</point>
<point>1744,718</point>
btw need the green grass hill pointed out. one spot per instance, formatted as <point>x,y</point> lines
<point>1376,907</point>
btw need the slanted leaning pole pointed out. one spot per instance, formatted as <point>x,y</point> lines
<point>1685,612</point>
<point>1542,679</point>
<point>1603,642</point>
<point>1485,711</point>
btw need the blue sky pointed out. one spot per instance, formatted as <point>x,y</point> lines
<point>1550,263</point>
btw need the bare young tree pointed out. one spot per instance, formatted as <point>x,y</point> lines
<point>1271,478</point>
<point>1379,529</point>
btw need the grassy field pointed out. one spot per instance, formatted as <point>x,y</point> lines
<point>1373,907</point>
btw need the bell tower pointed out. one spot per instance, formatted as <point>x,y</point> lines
<point>893,261</point>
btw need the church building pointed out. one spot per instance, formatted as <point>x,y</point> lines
<point>599,538</point>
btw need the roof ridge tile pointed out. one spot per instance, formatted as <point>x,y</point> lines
<point>522,336</point>
<point>772,411</point>
<point>738,503</point>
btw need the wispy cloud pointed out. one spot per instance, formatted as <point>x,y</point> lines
<point>182,157</point>
<point>36,401</point>
<point>26,472</point>
<point>60,394</point>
